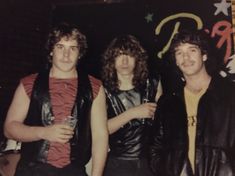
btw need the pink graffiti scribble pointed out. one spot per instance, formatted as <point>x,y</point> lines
<point>207,31</point>
<point>223,29</point>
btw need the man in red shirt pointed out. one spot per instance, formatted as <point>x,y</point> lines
<point>43,101</point>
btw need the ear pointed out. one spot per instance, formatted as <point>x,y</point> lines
<point>176,63</point>
<point>204,57</point>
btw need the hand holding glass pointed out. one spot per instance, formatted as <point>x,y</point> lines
<point>71,121</point>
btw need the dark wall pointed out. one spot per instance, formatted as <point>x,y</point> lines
<point>24,25</point>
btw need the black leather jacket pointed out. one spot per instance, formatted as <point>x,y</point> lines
<point>132,140</point>
<point>215,134</point>
<point>40,113</point>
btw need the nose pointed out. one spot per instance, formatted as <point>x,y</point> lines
<point>66,53</point>
<point>185,55</point>
<point>125,60</point>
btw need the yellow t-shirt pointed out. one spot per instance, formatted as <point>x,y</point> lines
<point>191,101</point>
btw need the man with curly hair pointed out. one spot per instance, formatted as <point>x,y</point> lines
<point>44,101</point>
<point>130,97</point>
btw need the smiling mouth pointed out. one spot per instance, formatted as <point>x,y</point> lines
<point>187,64</point>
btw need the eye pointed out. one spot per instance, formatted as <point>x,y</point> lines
<point>178,53</point>
<point>59,46</point>
<point>193,50</point>
<point>74,48</point>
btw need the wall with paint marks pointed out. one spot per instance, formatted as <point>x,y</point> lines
<point>154,23</point>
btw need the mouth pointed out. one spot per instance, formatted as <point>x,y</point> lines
<point>124,67</point>
<point>66,62</point>
<point>187,64</point>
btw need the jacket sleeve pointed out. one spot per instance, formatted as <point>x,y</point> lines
<point>232,128</point>
<point>156,147</point>
<point>233,160</point>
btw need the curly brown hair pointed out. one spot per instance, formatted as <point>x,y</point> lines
<point>128,45</point>
<point>66,30</point>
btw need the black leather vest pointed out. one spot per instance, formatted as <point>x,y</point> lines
<point>40,113</point>
<point>132,140</point>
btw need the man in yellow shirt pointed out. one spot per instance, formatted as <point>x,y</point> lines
<point>194,130</point>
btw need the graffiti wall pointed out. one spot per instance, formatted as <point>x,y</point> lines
<point>154,23</point>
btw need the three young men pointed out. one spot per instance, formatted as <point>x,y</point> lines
<point>194,130</point>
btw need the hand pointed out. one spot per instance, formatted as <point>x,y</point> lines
<point>145,110</point>
<point>61,133</point>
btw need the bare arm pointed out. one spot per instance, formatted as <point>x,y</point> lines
<point>159,91</point>
<point>145,110</point>
<point>99,133</point>
<point>14,127</point>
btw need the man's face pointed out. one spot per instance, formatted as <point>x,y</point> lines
<point>189,59</point>
<point>124,65</point>
<point>65,55</point>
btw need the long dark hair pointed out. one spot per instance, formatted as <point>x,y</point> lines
<point>128,45</point>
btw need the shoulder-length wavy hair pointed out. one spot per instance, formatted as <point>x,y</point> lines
<point>127,45</point>
<point>69,31</point>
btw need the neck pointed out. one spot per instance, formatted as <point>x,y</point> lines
<point>125,82</point>
<point>63,75</point>
<point>197,83</point>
